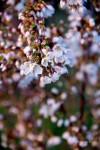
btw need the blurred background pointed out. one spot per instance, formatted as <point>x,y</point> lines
<point>64,115</point>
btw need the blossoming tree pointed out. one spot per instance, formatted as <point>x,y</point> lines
<point>49,74</point>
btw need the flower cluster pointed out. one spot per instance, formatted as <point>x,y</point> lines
<point>73,4</point>
<point>48,109</point>
<point>84,36</point>
<point>9,49</point>
<point>46,55</point>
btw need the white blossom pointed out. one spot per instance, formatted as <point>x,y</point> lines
<point>55,140</point>
<point>45,62</point>
<point>44,80</point>
<point>57,50</point>
<point>49,109</point>
<point>83,143</point>
<point>55,77</point>
<point>28,67</point>
<point>46,11</point>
